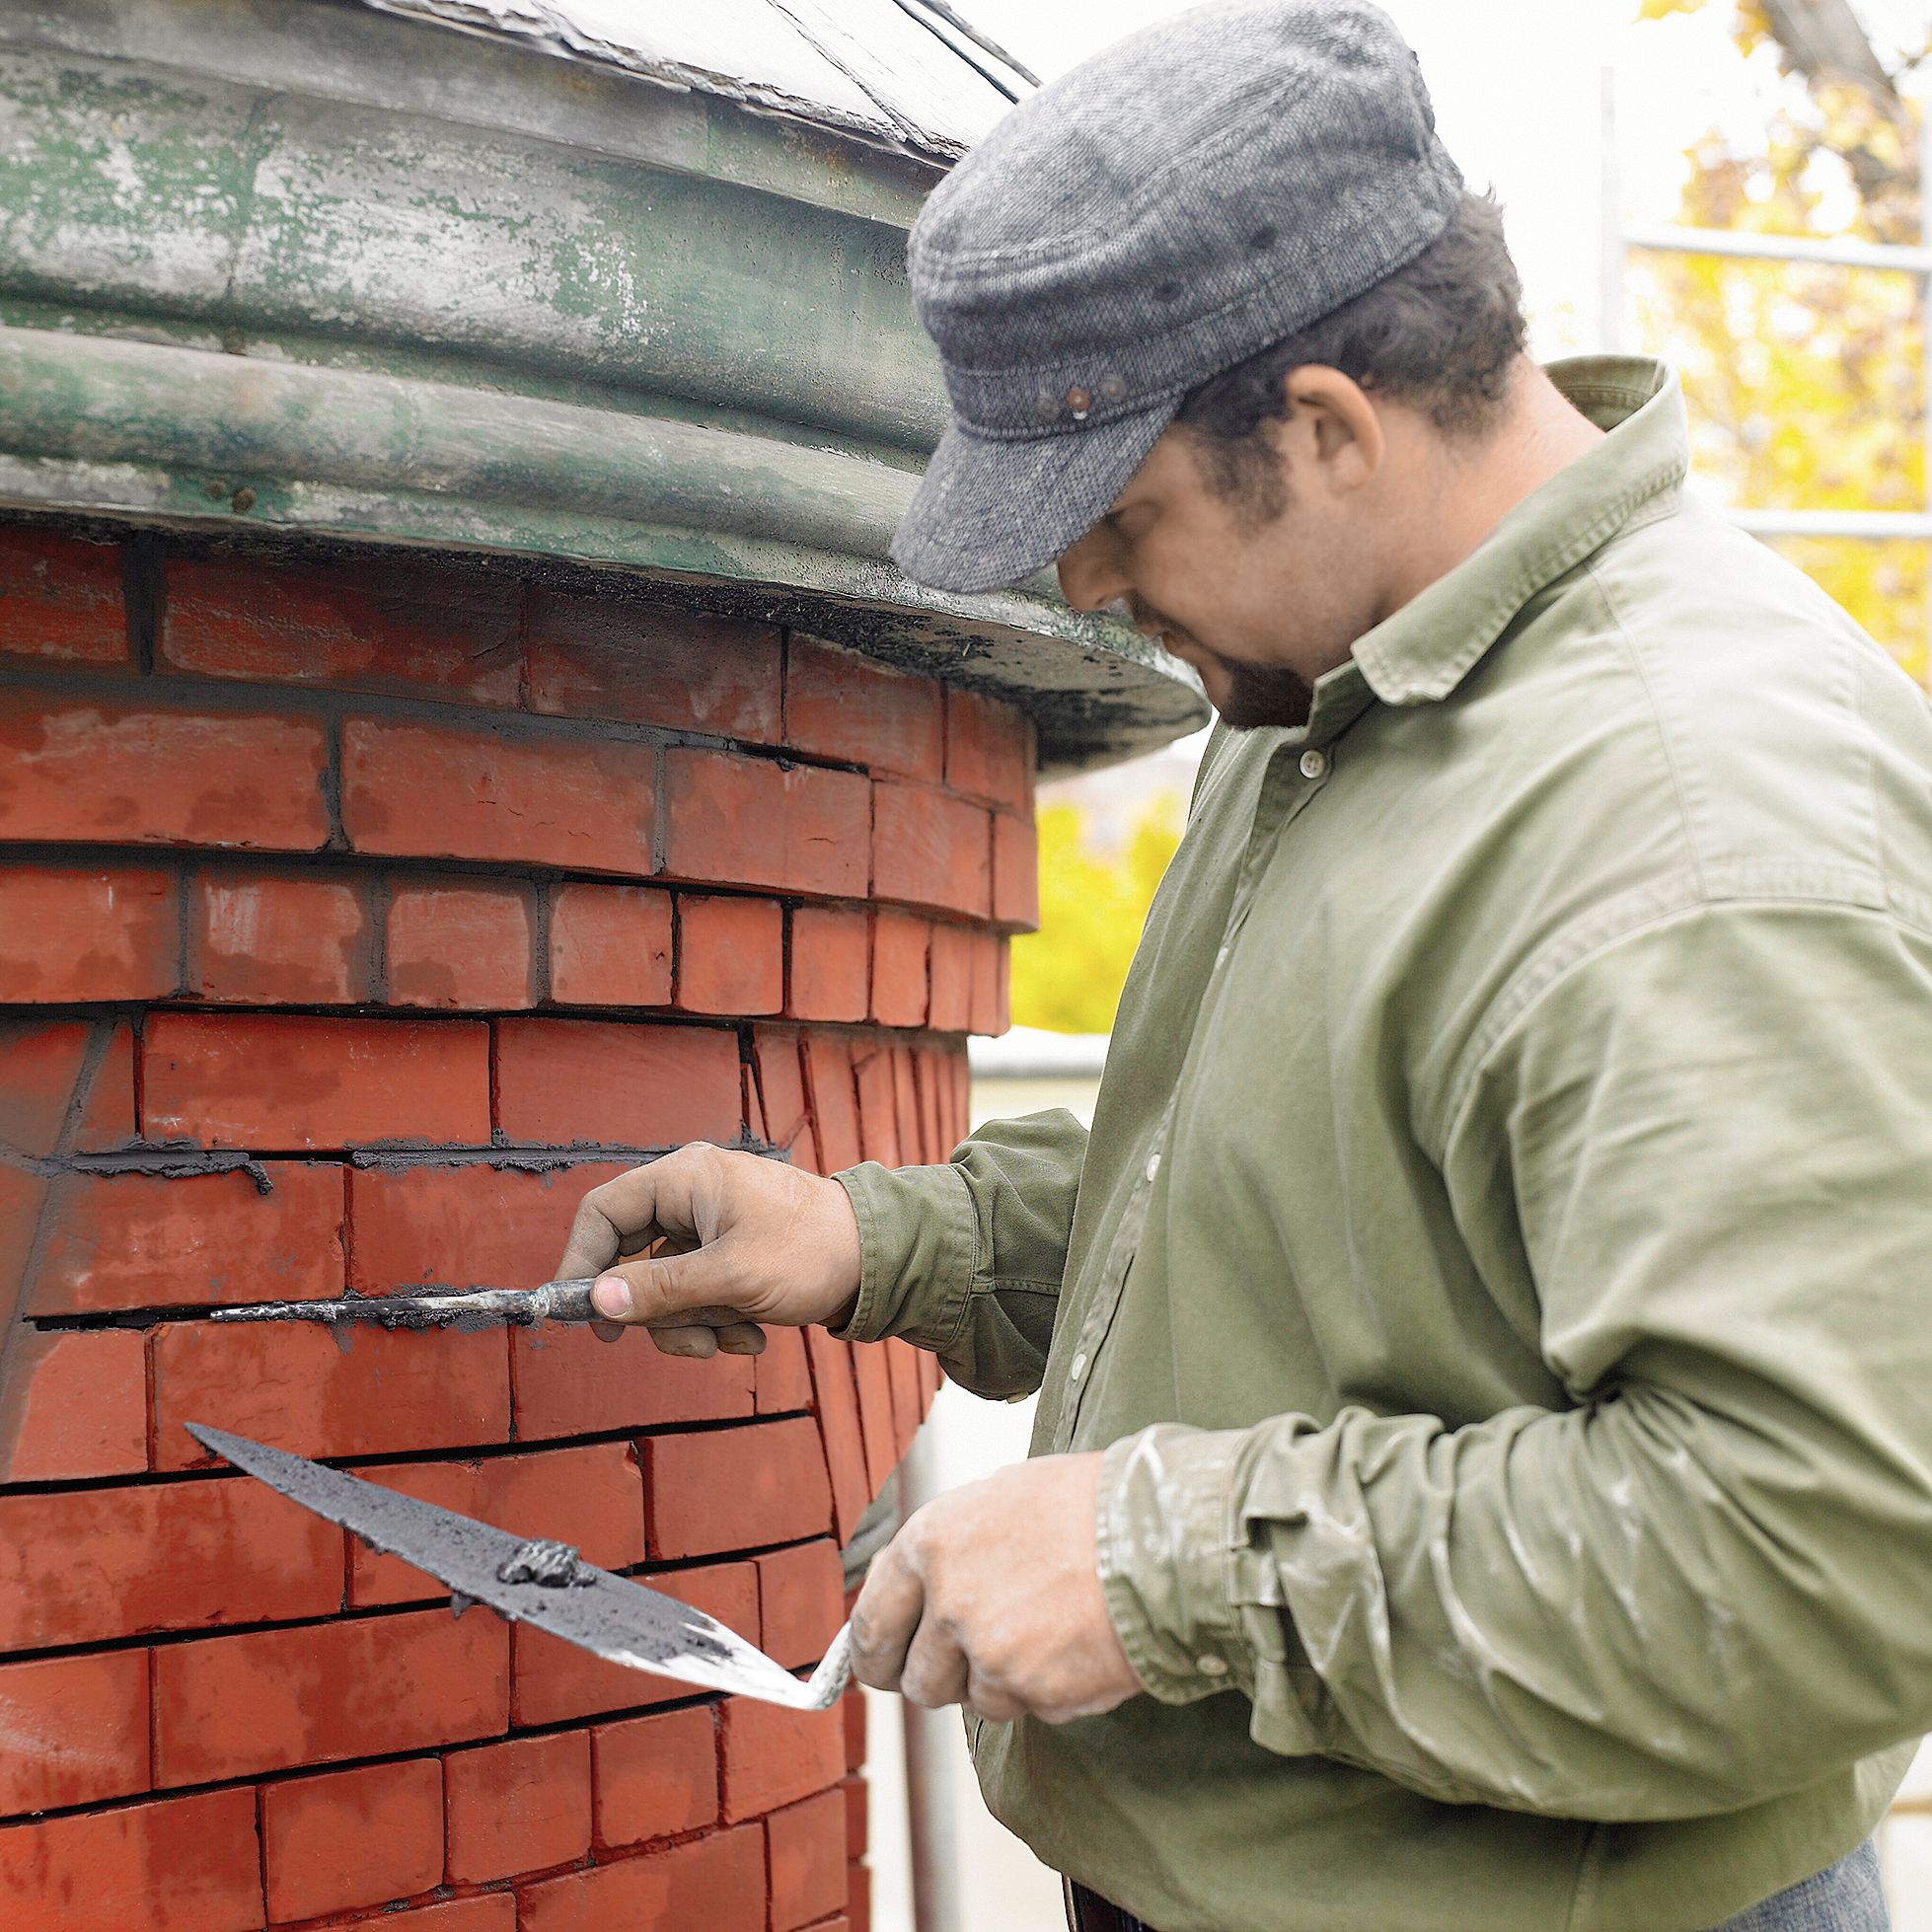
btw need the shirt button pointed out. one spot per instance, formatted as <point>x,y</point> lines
<point>1313,764</point>
<point>1076,1368</point>
<point>1211,1667</point>
<point>1154,1164</point>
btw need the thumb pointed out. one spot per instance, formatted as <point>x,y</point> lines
<point>698,1288</point>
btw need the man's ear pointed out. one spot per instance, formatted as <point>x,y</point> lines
<point>1337,426</point>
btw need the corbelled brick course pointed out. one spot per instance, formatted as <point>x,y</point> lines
<point>354,918</point>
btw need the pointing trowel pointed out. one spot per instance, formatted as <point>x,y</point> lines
<point>544,1584</point>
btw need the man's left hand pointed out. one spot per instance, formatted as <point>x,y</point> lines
<point>989,1596</point>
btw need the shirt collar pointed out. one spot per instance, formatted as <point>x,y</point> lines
<point>1423,651</point>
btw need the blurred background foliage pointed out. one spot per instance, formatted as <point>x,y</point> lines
<point>1095,893</point>
<point>1805,383</point>
<point>1806,387</point>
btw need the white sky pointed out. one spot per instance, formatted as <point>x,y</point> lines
<point>1518,90</point>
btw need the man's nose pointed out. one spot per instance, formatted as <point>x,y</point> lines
<point>1090,573</point>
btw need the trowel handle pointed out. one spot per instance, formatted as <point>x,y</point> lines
<point>567,1300</point>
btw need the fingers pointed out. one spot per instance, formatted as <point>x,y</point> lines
<point>935,1670</point>
<point>701,1339</point>
<point>886,1616</point>
<point>704,1285</point>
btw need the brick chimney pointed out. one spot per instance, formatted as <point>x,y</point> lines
<point>356,914</point>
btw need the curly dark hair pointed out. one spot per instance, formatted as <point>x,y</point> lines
<point>1440,335</point>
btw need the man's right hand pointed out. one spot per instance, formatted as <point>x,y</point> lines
<point>704,1245</point>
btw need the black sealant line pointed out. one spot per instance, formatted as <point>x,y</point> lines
<point>356,1464</point>
<point>169,690</point>
<point>654,1575</point>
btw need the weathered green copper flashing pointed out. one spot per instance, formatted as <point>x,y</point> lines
<point>300,267</point>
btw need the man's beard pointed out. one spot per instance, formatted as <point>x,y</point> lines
<point>1258,695</point>
<point>1262,695</point>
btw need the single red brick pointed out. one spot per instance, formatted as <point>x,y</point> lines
<point>755,821</point>
<point>569,1384</point>
<point>874,1380</point>
<point>801,1602</point>
<point>841,705</point>
<point>773,1756</point>
<point>60,598</point>
<point>288,1385</point>
<point>985,986</point>
<point>22,1202</point>
<point>154,1241</point>
<point>656,1776</point>
<point>1015,872</point>
<point>715,1882</point>
<point>781,1086</point>
<point>67,1085</point>
<point>989,749</point>
<point>488,1912</point>
<point>177,1865</point>
<point>831,957</point>
<point>730,955</point>
<point>369,623</point>
<point>468,1224</point>
<point>908,1400</point>
<point>906,1111</point>
<point>458,943</point>
<point>900,943</point>
<point>351,1838</point>
<point>835,1397</point>
<point>301,1081</point>
<point>852,1720</point>
<point>89,1566</point>
<point>930,849</point>
<point>806,1848</point>
<point>88,932</point>
<point>616,658</point>
<point>560,1082</point>
<point>73,1405</point>
<point>781,1379</point>
<point>952,978</point>
<point>266,1700</point>
<point>878,1102</point>
<point>266,940</point>
<point>555,1682</point>
<point>438,792</point>
<point>858,1816</point>
<point>932,1086</point>
<point>735,1488</point>
<point>592,1498</point>
<point>835,1102</point>
<point>858,1898</point>
<point>962,1092</point>
<point>610,945</point>
<point>76,1727</point>
<point>521,1805</point>
<point>78,770</point>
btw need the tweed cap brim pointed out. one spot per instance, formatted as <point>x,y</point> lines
<point>990,512</point>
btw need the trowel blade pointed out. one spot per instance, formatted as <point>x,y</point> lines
<point>610,1615</point>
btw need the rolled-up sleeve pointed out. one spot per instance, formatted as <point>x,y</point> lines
<point>1705,1584</point>
<point>966,1259</point>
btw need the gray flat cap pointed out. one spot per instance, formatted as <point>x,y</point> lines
<point>1175,204</point>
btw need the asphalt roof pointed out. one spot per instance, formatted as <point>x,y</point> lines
<point>908,73</point>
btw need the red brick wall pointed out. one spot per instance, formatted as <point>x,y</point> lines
<point>354,918</point>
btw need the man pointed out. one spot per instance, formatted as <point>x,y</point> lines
<point>1483,1475</point>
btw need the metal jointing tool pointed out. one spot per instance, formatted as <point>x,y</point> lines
<point>471,1307</point>
<point>543,1584</point>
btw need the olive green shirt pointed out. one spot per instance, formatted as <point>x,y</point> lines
<point>1500,1271</point>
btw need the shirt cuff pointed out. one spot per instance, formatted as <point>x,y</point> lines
<point>919,1244</point>
<point>1168,1560</point>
